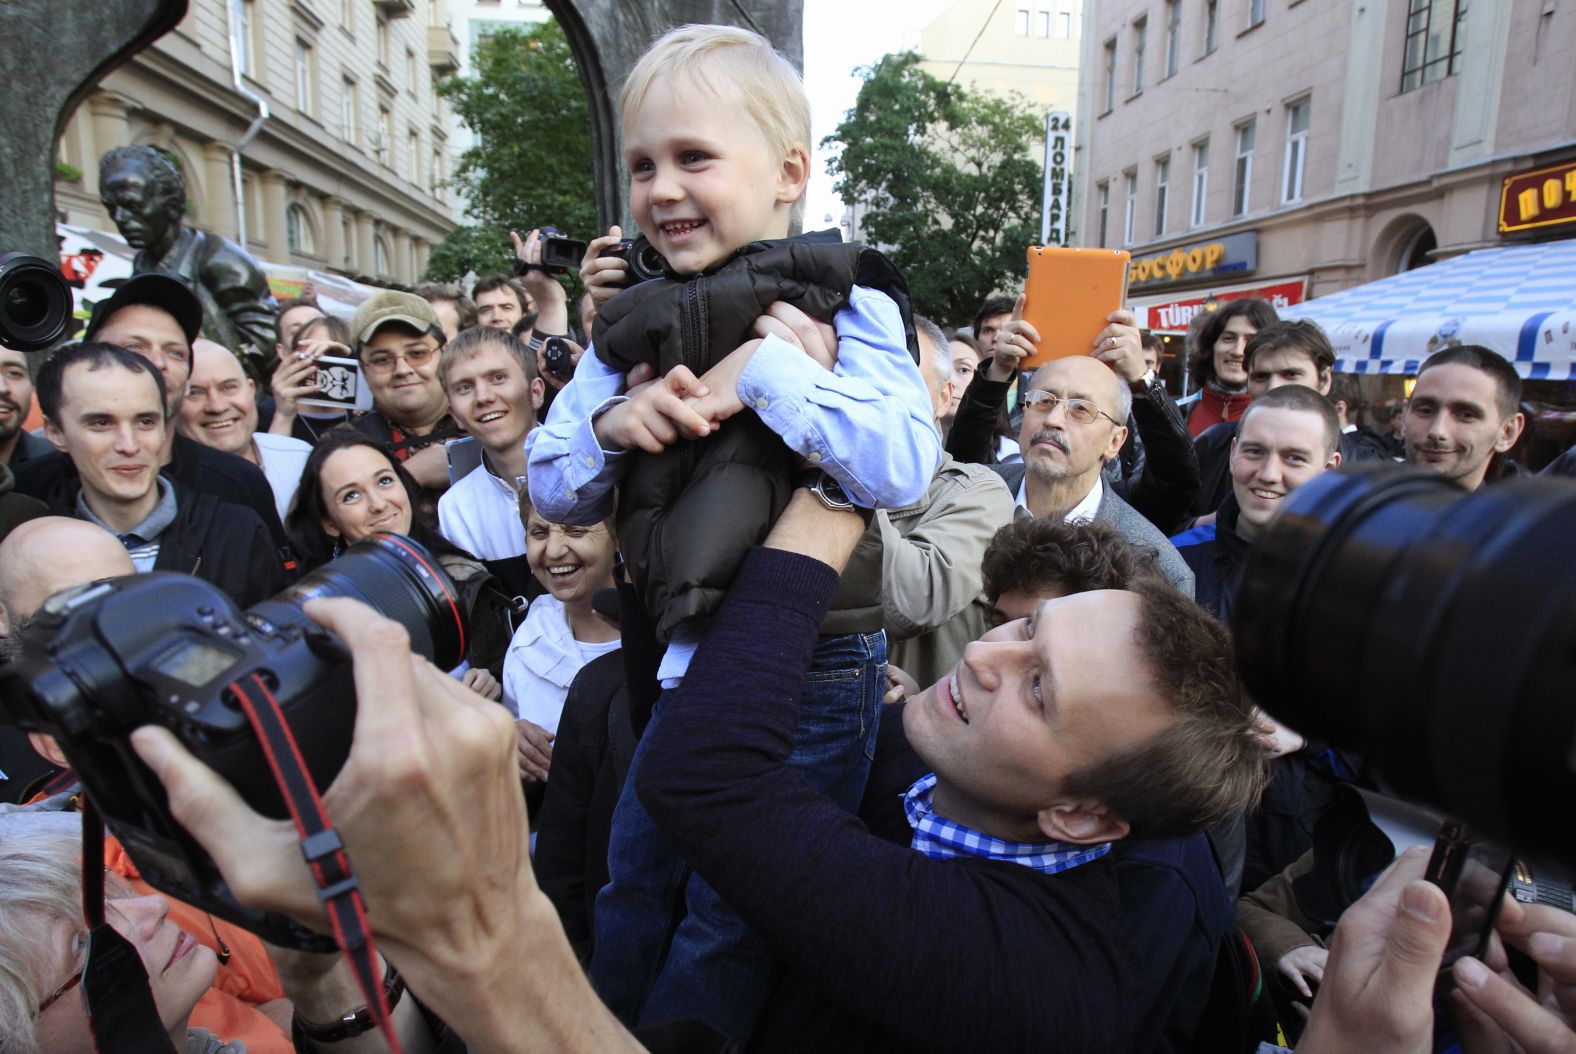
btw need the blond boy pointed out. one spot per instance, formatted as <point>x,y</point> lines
<point>748,387</point>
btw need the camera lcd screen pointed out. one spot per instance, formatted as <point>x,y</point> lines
<point>195,662</point>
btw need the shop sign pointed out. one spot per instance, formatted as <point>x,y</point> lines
<point>1235,254</point>
<point>1544,197</point>
<point>1176,316</point>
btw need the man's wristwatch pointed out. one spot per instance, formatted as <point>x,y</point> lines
<point>820,483</point>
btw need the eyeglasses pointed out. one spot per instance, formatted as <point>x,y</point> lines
<point>384,361</point>
<point>1078,411</point>
<point>115,888</point>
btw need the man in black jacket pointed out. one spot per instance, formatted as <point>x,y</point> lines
<point>157,317</point>
<point>104,409</point>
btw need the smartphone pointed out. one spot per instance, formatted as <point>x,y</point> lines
<point>1068,295</point>
<point>340,385</point>
<point>1475,875</point>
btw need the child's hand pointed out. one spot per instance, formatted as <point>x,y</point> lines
<point>1014,343</point>
<point>655,415</point>
<point>816,339</point>
<point>603,276</point>
<point>722,400</point>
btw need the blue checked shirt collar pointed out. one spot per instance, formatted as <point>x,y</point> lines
<point>940,838</point>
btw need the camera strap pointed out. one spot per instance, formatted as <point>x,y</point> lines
<point>121,1013</point>
<point>325,855</point>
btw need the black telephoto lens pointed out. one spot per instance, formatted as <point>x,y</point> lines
<point>1433,630</point>
<point>35,302</point>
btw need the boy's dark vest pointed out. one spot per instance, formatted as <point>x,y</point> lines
<point>687,516</point>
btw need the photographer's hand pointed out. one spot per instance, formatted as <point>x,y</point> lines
<point>603,276</point>
<point>428,805</point>
<point>1378,989</point>
<point>294,379</point>
<point>552,304</point>
<point>1496,1014</point>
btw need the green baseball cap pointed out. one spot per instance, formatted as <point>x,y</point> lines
<point>390,305</point>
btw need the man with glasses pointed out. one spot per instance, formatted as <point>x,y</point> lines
<point>398,338</point>
<point>1073,415</point>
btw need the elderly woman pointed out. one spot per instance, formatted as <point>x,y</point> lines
<point>351,489</point>
<point>43,941</point>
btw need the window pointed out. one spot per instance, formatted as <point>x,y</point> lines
<point>413,156</point>
<point>1064,25</point>
<point>350,112</point>
<point>1243,176</point>
<point>1140,37</point>
<point>303,76</point>
<point>1045,23</point>
<point>1296,149</point>
<point>1433,41</point>
<point>383,42</point>
<point>1110,75</point>
<point>1162,193</point>
<point>1211,25</point>
<point>1130,208</point>
<point>1023,21</point>
<point>1103,196</point>
<point>1173,35</point>
<point>383,139</point>
<point>347,14</point>
<point>437,172</point>
<point>380,256</point>
<point>1200,183</point>
<point>241,27</point>
<point>1255,12</point>
<point>298,231</point>
<point>412,78</point>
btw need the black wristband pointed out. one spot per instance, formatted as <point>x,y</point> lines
<point>357,1022</point>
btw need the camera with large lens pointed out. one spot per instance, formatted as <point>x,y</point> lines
<point>1433,630</point>
<point>103,659</point>
<point>642,258</point>
<point>35,302</point>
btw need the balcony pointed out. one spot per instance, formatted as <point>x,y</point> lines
<point>443,51</point>
<point>394,8</point>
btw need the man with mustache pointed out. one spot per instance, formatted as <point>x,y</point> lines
<point>1072,425</point>
<point>1464,410</point>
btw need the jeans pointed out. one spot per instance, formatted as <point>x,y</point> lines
<point>715,968</point>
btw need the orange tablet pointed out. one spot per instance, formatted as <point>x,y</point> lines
<point>1068,296</point>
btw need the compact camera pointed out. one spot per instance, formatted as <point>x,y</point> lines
<point>105,658</point>
<point>561,254</point>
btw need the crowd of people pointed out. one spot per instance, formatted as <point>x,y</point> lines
<point>831,683</point>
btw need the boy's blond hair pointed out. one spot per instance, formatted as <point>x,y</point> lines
<point>731,63</point>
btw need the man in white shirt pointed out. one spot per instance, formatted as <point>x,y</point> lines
<point>494,394</point>
<point>219,410</point>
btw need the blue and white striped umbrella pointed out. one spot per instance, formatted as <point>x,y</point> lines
<point>1519,300</point>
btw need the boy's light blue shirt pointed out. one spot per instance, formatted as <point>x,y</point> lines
<point>869,422</point>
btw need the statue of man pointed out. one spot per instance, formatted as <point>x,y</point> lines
<point>146,197</point>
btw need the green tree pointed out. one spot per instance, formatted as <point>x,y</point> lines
<point>531,165</point>
<point>950,180</point>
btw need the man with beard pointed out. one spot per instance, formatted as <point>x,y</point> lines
<point>17,444</point>
<point>1072,425</point>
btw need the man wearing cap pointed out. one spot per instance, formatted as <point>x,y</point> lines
<point>398,337</point>
<point>158,317</point>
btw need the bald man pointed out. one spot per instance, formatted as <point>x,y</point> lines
<point>31,571</point>
<point>219,410</point>
<point>1073,423</point>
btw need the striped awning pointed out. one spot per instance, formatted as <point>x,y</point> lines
<point>1519,300</point>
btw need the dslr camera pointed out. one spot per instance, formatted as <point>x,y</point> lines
<point>105,658</point>
<point>35,302</point>
<point>561,254</point>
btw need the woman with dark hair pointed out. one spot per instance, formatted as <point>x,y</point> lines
<point>351,489</point>
<point>1218,363</point>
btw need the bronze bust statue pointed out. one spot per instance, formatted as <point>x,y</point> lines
<point>146,197</point>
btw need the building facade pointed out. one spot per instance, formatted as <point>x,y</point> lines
<point>1030,47</point>
<point>1293,148</point>
<point>347,172</point>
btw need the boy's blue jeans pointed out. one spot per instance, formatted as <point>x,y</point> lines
<point>716,968</point>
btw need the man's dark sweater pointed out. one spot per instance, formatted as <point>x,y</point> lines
<point>883,948</point>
